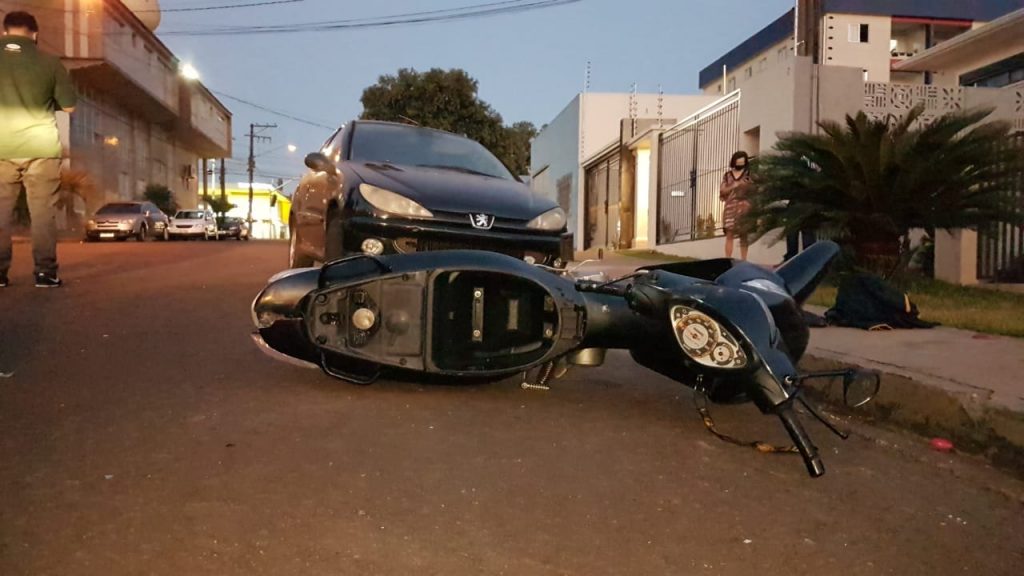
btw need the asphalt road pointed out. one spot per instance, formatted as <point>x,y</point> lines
<point>142,433</point>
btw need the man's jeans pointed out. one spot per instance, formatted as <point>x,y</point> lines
<point>41,178</point>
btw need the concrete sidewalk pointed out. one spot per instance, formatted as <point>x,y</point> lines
<point>957,384</point>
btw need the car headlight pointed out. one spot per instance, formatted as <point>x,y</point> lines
<point>392,203</point>
<point>705,340</point>
<point>551,220</point>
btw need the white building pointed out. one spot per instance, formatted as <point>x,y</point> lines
<point>588,124</point>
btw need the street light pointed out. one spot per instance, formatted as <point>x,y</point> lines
<point>292,147</point>
<point>189,72</point>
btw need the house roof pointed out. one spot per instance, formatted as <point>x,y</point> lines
<point>996,35</point>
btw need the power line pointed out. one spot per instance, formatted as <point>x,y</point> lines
<point>272,111</point>
<point>221,7</point>
<point>447,15</point>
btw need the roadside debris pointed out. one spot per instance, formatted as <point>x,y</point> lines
<point>941,445</point>
<point>6,374</point>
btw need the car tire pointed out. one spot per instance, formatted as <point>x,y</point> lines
<point>333,239</point>
<point>143,234</point>
<point>296,259</point>
<point>166,236</point>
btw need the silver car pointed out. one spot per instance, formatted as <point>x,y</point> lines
<point>124,220</point>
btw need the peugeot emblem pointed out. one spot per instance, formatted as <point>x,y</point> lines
<point>481,221</point>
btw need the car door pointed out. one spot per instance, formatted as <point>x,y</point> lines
<point>152,215</point>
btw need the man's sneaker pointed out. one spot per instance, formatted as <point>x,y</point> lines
<point>47,281</point>
<point>3,281</point>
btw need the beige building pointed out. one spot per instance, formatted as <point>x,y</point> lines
<point>139,121</point>
<point>821,61</point>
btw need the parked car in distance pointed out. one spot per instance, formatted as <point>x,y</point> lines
<point>231,227</point>
<point>124,220</point>
<point>193,225</point>
<point>384,188</point>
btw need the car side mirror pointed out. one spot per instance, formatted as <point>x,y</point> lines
<point>319,162</point>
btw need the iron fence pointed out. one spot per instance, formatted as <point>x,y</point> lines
<point>602,225</point>
<point>1001,246</point>
<point>694,155</point>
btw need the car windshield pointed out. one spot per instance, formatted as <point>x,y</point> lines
<point>120,209</point>
<point>415,146</point>
<point>189,215</point>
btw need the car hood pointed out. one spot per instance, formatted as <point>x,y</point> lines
<point>183,221</point>
<point>115,217</point>
<point>441,190</point>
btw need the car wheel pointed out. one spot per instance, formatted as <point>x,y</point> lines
<point>333,237</point>
<point>296,259</point>
<point>143,234</point>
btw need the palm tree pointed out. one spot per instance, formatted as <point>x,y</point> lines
<point>867,183</point>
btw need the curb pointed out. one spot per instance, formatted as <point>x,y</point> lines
<point>974,425</point>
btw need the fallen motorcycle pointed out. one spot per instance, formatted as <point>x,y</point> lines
<point>730,330</point>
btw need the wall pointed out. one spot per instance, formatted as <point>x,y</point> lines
<point>207,118</point>
<point>763,62</point>
<point>556,151</point>
<point>589,123</point>
<point>873,56</point>
<point>127,48</point>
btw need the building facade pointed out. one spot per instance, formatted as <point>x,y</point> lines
<point>590,123</point>
<point>138,121</point>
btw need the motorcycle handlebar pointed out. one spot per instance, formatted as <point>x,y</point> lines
<point>815,467</point>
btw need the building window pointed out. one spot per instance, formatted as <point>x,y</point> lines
<point>748,72</point>
<point>719,89</point>
<point>732,84</point>
<point>858,33</point>
<point>996,75</point>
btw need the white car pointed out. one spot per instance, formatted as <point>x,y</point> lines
<point>193,224</point>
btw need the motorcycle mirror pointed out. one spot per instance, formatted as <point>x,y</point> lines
<point>860,387</point>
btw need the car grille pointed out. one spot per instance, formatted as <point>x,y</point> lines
<point>184,226</point>
<point>431,245</point>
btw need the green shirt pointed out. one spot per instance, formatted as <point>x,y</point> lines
<point>33,86</point>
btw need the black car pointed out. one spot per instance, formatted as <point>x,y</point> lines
<point>384,188</point>
<point>231,227</point>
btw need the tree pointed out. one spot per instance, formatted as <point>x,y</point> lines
<point>517,146</point>
<point>218,205</point>
<point>867,183</point>
<point>162,197</point>
<point>447,100</point>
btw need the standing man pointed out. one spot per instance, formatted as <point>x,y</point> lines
<point>33,86</point>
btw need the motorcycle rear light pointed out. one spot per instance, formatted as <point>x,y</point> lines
<point>706,341</point>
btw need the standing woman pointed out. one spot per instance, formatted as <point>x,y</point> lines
<point>733,191</point>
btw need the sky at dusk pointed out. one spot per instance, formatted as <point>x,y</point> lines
<point>529,65</point>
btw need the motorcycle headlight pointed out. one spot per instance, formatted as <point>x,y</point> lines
<point>392,203</point>
<point>550,220</point>
<point>705,340</point>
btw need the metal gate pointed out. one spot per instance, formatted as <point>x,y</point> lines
<point>694,155</point>
<point>1001,246</point>
<point>602,226</point>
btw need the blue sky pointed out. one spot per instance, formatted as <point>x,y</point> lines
<point>529,65</point>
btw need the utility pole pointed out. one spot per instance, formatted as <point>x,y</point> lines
<point>252,159</point>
